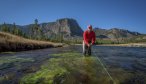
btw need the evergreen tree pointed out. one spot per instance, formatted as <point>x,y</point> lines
<point>36,31</point>
<point>16,30</point>
<point>5,28</point>
<point>0,27</point>
<point>20,33</point>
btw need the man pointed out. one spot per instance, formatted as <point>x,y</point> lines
<point>88,40</point>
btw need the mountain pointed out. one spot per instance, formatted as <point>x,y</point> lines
<point>69,28</point>
<point>66,26</point>
<point>114,33</point>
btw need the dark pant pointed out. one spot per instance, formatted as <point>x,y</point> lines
<point>86,49</point>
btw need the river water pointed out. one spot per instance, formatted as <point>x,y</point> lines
<point>126,65</point>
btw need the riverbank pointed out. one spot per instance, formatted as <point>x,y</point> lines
<point>123,45</point>
<point>10,42</point>
<point>126,45</point>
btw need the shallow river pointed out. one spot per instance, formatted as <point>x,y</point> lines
<point>107,65</point>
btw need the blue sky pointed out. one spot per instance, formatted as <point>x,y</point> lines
<point>126,14</point>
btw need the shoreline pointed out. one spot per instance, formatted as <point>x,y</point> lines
<point>126,45</point>
<point>122,45</point>
<point>27,48</point>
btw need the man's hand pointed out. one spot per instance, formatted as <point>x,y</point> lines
<point>89,45</point>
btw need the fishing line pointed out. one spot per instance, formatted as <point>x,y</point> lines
<point>104,68</point>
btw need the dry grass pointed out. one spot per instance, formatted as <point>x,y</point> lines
<point>9,42</point>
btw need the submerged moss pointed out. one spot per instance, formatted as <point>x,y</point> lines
<point>7,52</point>
<point>12,59</point>
<point>46,74</point>
<point>68,68</point>
<point>73,68</point>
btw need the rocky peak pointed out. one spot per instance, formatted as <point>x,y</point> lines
<point>68,27</point>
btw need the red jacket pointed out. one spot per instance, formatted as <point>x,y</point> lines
<point>89,37</point>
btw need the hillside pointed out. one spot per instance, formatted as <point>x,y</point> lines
<point>60,29</point>
<point>9,42</point>
<point>115,33</point>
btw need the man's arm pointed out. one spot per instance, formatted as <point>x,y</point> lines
<point>93,38</point>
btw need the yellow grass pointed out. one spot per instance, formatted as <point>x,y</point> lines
<point>9,42</point>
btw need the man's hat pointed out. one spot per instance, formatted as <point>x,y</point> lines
<point>89,26</point>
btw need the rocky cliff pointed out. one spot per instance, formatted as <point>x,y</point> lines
<point>67,27</point>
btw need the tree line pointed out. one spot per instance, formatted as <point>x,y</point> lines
<point>35,31</point>
<point>14,30</point>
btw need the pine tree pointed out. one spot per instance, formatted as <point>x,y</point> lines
<point>5,28</point>
<point>20,33</point>
<point>15,29</point>
<point>37,31</point>
<point>0,27</point>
